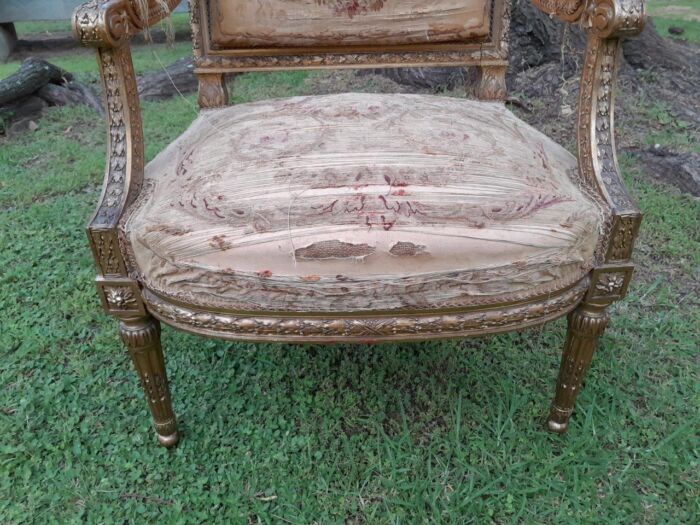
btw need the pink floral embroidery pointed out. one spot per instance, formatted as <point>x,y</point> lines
<point>353,8</point>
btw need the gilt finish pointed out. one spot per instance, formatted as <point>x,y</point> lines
<point>491,48</point>
<point>396,327</point>
<point>107,25</point>
<point>606,22</point>
<point>141,335</point>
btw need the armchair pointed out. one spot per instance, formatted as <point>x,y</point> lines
<point>383,249</point>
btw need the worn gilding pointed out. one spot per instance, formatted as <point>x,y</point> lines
<point>427,201</point>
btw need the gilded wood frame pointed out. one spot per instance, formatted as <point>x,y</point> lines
<point>107,25</point>
<point>492,51</point>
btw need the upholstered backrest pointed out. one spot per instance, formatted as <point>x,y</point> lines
<point>239,35</point>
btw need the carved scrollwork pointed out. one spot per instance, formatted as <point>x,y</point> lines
<point>586,325</point>
<point>195,24</point>
<point>492,83</point>
<point>102,23</point>
<point>108,23</point>
<point>478,55</point>
<point>120,298</point>
<point>622,239</point>
<point>212,91</point>
<point>141,335</point>
<point>105,246</point>
<point>596,142</point>
<point>124,172</point>
<point>610,283</point>
<point>493,52</point>
<point>616,18</point>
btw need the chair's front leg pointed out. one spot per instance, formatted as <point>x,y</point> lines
<point>586,324</point>
<point>106,25</point>
<point>141,336</point>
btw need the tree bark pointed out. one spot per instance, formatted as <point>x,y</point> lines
<point>70,94</point>
<point>31,76</point>
<point>177,77</point>
<point>649,50</point>
<point>537,39</point>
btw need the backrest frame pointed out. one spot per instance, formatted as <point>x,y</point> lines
<point>492,51</point>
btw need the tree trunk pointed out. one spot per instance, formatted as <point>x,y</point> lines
<point>163,84</point>
<point>537,39</point>
<point>31,76</point>
<point>70,94</point>
<point>177,79</point>
<point>649,49</point>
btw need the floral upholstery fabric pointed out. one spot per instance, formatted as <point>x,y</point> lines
<point>361,202</point>
<point>284,23</point>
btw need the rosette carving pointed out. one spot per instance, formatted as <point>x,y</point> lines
<point>616,18</point>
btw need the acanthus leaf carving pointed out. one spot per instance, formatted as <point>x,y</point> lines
<point>596,141</point>
<point>365,328</point>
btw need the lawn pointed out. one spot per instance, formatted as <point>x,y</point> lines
<point>441,432</point>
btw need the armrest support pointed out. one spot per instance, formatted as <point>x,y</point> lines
<point>606,22</point>
<point>125,157</point>
<point>108,23</point>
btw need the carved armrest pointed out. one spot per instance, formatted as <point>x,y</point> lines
<point>606,22</point>
<point>107,26</point>
<point>108,23</point>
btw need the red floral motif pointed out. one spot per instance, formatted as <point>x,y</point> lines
<point>375,210</point>
<point>353,8</point>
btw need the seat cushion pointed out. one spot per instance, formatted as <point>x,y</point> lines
<point>361,202</point>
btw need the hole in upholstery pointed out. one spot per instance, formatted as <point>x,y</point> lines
<point>334,250</point>
<point>407,249</point>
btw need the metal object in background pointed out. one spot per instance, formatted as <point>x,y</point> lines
<point>12,11</point>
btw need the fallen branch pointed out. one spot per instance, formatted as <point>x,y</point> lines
<point>32,75</point>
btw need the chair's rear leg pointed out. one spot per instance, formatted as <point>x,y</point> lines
<point>141,336</point>
<point>491,83</point>
<point>213,92</point>
<point>586,324</point>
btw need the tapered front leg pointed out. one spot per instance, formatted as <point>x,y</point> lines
<point>142,337</point>
<point>586,324</point>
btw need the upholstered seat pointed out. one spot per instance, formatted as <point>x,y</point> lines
<point>361,201</point>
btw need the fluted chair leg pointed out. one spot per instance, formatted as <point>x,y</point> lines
<point>586,324</point>
<point>142,337</point>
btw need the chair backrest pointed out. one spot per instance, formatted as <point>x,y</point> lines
<point>253,35</point>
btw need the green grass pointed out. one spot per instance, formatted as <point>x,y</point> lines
<point>82,61</point>
<point>678,13</point>
<point>180,22</point>
<point>441,432</point>
<point>664,127</point>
